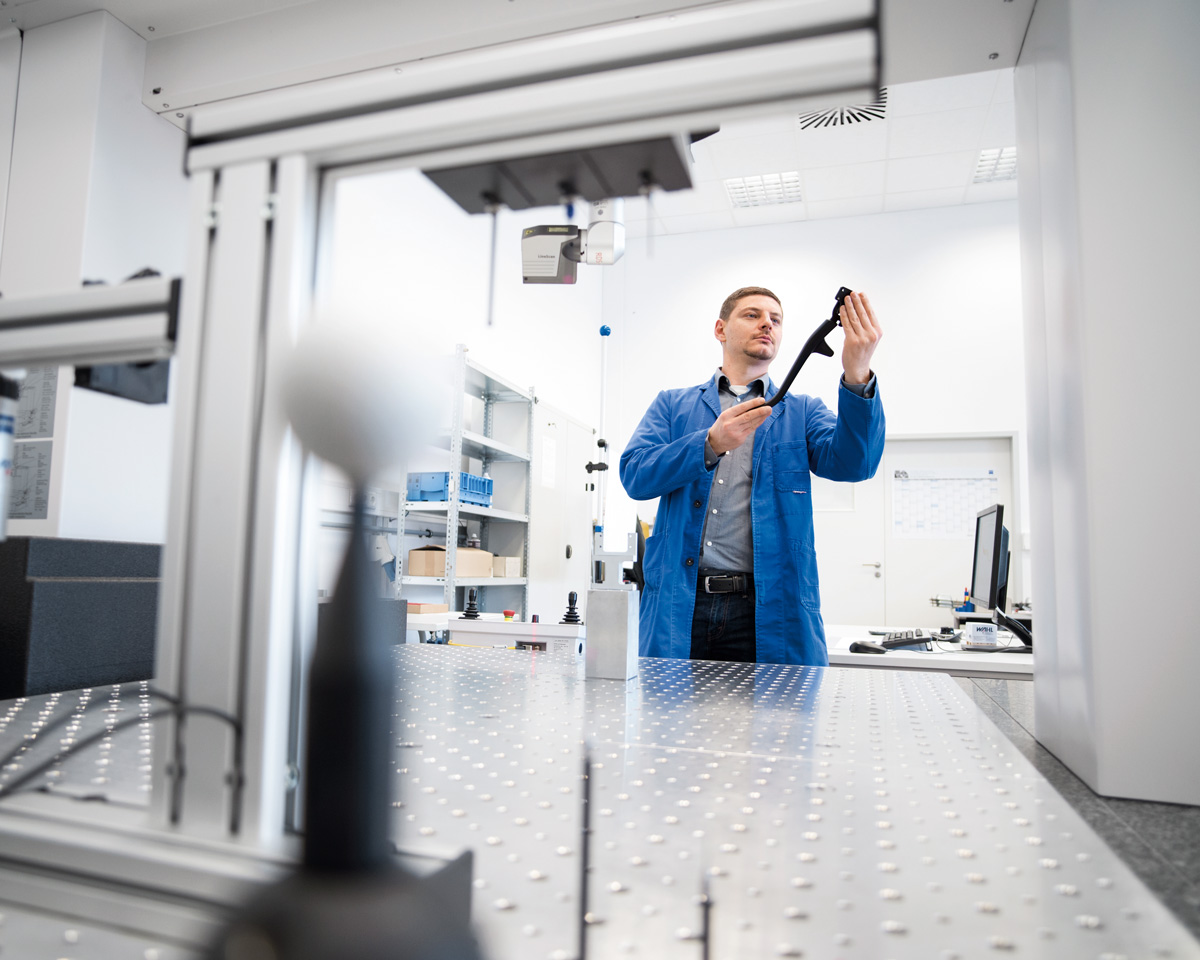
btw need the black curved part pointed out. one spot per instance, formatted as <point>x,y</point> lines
<point>815,344</point>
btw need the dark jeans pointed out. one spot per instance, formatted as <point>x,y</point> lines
<point>723,625</point>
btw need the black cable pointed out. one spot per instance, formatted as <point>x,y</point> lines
<point>70,714</point>
<point>176,710</point>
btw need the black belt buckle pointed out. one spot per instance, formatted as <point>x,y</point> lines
<point>726,583</point>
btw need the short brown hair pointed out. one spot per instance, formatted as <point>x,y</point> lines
<point>741,293</point>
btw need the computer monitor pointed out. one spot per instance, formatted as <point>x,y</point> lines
<point>989,574</point>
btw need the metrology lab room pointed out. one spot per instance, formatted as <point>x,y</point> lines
<point>368,587</point>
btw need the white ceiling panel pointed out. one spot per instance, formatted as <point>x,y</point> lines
<point>991,192</point>
<point>855,143</point>
<point>779,213</point>
<point>946,131</point>
<point>760,126</point>
<point>851,207</point>
<point>931,173</point>
<point>848,180</point>
<point>921,199</point>
<point>153,19</point>
<point>748,156</point>
<point>1004,87</point>
<point>693,223</point>
<point>640,227</point>
<point>703,165</point>
<point>703,198</point>
<point>944,93</point>
<point>1000,129</point>
<point>922,153</point>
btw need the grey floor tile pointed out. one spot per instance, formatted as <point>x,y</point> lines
<point>1185,904</point>
<point>1172,828</point>
<point>1160,842</point>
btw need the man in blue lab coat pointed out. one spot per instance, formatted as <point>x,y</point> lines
<point>731,570</point>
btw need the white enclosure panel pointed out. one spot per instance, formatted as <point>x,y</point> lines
<point>97,192</point>
<point>560,515</point>
<point>10,66</point>
<point>1112,462</point>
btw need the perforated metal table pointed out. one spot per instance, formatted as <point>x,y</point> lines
<point>834,813</point>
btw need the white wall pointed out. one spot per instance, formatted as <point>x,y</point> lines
<point>1109,218</point>
<point>10,68</point>
<point>396,246</point>
<point>401,248</point>
<point>97,192</point>
<point>944,282</point>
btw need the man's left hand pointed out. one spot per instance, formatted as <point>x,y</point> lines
<point>862,337</point>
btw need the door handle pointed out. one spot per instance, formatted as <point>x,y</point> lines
<point>876,564</point>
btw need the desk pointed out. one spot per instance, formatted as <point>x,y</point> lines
<point>434,627</point>
<point>944,659</point>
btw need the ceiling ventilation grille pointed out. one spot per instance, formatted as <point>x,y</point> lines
<point>759,191</point>
<point>995,164</point>
<point>845,116</point>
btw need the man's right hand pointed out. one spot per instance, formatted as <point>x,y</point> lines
<point>734,426</point>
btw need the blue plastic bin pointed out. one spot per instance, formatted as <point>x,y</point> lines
<point>436,486</point>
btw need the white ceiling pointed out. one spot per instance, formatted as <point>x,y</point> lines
<point>923,153</point>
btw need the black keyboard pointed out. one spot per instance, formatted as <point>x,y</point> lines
<point>905,638</point>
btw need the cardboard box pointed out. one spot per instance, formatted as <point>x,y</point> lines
<point>506,566</point>
<point>431,562</point>
<point>428,607</point>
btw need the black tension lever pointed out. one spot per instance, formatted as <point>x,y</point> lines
<point>815,344</point>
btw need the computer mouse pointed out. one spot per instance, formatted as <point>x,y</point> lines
<point>866,646</point>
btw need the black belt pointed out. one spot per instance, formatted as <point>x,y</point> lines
<point>715,581</point>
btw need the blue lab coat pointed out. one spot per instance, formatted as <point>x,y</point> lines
<point>665,458</point>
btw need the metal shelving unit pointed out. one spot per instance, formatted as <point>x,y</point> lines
<point>472,380</point>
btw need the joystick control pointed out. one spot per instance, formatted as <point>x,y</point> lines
<point>472,610</point>
<point>572,614</point>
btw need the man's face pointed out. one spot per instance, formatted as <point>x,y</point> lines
<point>754,328</point>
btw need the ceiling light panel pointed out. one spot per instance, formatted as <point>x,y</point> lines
<point>996,163</point>
<point>764,189</point>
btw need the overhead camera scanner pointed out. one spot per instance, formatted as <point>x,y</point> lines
<point>550,253</point>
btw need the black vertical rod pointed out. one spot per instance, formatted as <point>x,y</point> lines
<point>346,782</point>
<point>705,921</point>
<point>585,852</point>
<point>492,206</point>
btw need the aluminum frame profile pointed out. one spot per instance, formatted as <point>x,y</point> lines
<point>133,322</point>
<point>230,568</point>
<point>752,70</point>
<point>589,110</point>
<point>642,40</point>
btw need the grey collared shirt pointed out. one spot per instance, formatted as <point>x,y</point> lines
<point>728,541</point>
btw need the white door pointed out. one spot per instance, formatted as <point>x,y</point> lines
<point>886,546</point>
<point>931,520</point>
<point>849,526</point>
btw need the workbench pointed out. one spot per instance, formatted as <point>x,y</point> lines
<point>825,812</point>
